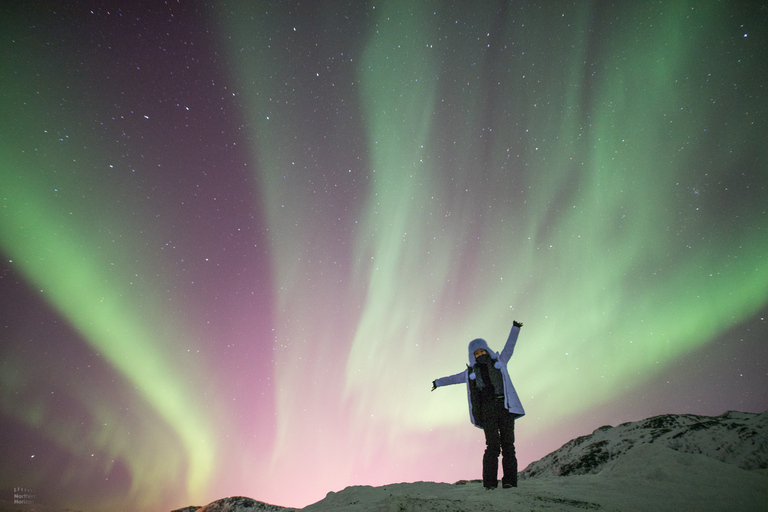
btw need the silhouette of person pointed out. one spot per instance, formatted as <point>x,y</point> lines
<point>493,405</point>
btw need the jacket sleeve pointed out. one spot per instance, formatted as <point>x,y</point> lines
<point>509,347</point>
<point>458,378</point>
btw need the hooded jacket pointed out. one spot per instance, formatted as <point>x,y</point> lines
<point>511,400</point>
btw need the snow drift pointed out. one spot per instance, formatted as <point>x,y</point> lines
<point>665,463</point>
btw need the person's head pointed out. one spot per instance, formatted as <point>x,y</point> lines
<point>478,347</point>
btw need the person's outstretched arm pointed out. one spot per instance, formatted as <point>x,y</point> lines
<point>458,378</point>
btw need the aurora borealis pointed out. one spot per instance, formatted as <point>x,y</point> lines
<point>240,239</point>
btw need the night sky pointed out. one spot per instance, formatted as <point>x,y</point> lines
<point>239,240</point>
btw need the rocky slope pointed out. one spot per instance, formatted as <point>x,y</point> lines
<point>737,438</point>
<point>666,463</point>
<point>236,504</point>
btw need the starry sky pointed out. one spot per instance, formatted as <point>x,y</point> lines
<point>238,240</point>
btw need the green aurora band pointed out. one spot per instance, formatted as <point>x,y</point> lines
<point>588,170</point>
<point>80,265</point>
<point>581,179</point>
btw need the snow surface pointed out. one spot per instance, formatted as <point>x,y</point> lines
<point>737,438</point>
<point>237,504</point>
<point>665,463</point>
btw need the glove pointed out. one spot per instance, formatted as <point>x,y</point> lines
<point>434,385</point>
<point>517,324</point>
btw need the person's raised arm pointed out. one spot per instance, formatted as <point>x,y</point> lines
<point>509,347</point>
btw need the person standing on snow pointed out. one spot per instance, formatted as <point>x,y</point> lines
<point>493,405</point>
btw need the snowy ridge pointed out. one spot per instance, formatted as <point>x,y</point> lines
<point>236,504</point>
<point>674,463</point>
<point>737,438</point>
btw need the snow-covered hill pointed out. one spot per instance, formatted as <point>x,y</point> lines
<point>665,463</point>
<point>737,438</point>
<point>237,504</point>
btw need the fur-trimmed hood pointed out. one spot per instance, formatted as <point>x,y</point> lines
<point>476,344</point>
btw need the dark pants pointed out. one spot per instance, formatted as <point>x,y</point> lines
<point>499,439</point>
